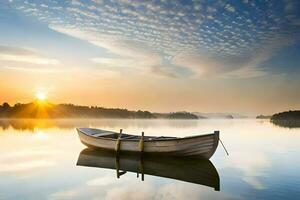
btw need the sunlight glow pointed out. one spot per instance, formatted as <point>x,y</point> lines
<point>41,96</point>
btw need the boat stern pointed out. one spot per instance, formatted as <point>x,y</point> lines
<point>215,145</point>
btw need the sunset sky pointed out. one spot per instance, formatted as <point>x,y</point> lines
<point>207,56</point>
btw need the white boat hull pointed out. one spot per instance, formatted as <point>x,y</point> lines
<point>202,146</point>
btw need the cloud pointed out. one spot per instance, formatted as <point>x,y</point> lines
<point>230,8</point>
<point>28,59</point>
<point>246,72</point>
<point>164,72</point>
<point>16,54</point>
<point>114,62</point>
<point>201,65</point>
<point>129,53</point>
<point>206,66</point>
<point>37,70</point>
<point>206,37</point>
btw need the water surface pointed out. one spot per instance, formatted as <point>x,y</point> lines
<point>38,161</point>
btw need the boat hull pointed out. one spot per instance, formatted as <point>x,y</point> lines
<point>202,146</point>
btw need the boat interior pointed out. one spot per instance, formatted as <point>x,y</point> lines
<point>114,135</point>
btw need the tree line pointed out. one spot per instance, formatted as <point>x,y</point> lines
<point>48,110</point>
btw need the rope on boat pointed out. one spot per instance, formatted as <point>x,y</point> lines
<point>224,147</point>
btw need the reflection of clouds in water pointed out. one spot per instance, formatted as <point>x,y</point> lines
<point>67,194</point>
<point>107,179</point>
<point>27,162</point>
<point>128,188</point>
<point>32,153</point>
<point>179,191</point>
<point>131,191</point>
<point>256,150</point>
<point>253,165</point>
<point>25,167</point>
<point>26,155</point>
<point>110,188</point>
<point>253,181</point>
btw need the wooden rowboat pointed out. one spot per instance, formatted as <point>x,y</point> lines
<point>197,171</point>
<point>201,146</point>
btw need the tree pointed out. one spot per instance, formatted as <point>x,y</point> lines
<point>5,106</point>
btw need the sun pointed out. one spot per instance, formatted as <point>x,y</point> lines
<point>41,96</point>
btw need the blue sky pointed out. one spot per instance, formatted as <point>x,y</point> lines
<point>190,40</point>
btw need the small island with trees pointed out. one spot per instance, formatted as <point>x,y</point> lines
<point>288,115</point>
<point>182,115</point>
<point>288,119</point>
<point>263,117</point>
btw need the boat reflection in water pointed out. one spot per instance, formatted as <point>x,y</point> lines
<point>198,171</point>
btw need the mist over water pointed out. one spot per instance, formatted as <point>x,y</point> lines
<point>38,161</point>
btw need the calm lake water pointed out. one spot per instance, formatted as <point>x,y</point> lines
<point>38,160</point>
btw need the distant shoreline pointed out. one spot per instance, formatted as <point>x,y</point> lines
<point>46,110</point>
<point>99,118</point>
